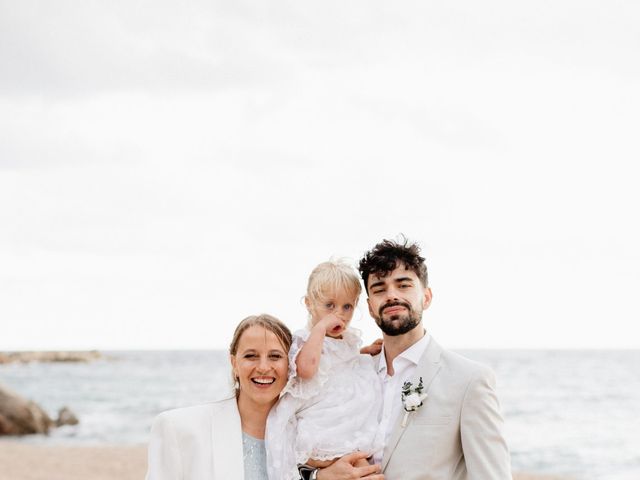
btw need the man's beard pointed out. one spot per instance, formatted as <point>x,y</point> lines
<point>401,323</point>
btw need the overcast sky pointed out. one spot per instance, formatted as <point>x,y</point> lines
<point>167,169</point>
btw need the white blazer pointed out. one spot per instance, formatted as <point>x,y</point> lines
<point>197,443</point>
<point>457,433</point>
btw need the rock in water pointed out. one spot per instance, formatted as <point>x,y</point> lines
<point>66,417</point>
<point>20,416</point>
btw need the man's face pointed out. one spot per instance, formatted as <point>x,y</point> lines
<point>397,301</point>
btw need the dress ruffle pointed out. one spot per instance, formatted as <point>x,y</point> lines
<point>334,351</point>
<point>330,415</point>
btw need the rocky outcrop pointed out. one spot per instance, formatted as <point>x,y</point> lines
<point>66,417</point>
<point>20,416</point>
<point>26,357</point>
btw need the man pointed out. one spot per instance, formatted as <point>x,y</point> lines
<point>456,432</point>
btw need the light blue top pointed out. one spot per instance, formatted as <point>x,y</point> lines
<point>255,458</point>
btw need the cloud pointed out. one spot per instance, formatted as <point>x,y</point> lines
<point>191,163</point>
<point>75,48</point>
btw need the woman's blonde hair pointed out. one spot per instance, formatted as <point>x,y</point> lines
<point>333,276</point>
<point>266,321</point>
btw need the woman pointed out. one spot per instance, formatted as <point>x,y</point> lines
<point>225,439</point>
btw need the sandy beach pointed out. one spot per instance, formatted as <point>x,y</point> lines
<point>35,462</point>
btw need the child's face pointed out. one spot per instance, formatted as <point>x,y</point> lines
<point>341,304</point>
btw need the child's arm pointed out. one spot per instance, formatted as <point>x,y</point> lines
<point>308,359</point>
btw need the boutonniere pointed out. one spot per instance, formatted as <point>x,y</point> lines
<point>412,399</point>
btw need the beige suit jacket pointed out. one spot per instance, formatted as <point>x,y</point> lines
<point>457,433</point>
<point>197,443</point>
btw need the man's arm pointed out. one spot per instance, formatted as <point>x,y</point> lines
<point>485,450</point>
<point>344,469</point>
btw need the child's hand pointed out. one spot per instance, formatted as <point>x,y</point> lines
<point>308,359</point>
<point>332,324</point>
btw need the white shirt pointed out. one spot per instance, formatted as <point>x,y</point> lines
<point>404,367</point>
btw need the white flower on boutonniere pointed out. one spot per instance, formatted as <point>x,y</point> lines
<point>412,399</point>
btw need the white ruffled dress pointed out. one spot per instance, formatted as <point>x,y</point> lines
<point>330,415</point>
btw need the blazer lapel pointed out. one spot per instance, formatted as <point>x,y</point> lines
<point>427,368</point>
<point>226,440</point>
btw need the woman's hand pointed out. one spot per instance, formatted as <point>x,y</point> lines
<point>374,349</point>
<point>344,469</point>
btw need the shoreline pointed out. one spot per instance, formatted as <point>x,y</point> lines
<point>21,461</point>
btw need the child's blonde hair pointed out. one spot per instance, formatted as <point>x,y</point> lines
<point>333,276</point>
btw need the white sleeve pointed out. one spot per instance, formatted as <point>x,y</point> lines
<point>481,425</point>
<point>280,438</point>
<point>164,462</point>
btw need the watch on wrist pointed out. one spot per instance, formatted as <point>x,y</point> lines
<point>307,472</point>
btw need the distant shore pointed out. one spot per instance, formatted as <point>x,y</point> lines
<point>20,461</point>
<point>49,356</point>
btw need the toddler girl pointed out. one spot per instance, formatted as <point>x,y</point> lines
<point>331,403</point>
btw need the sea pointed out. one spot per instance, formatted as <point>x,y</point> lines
<point>573,413</point>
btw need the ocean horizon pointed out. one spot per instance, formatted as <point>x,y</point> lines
<point>567,412</point>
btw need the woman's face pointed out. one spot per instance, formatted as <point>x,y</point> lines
<point>261,365</point>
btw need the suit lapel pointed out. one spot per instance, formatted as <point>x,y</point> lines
<point>427,368</point>
<point>226,440</point>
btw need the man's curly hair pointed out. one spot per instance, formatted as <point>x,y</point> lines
<point>387,255</point>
